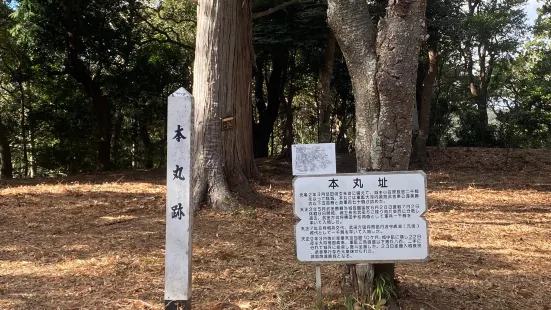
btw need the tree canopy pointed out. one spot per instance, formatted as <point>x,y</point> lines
<point>83,83</point>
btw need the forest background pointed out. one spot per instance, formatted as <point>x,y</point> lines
<point>97,100</point>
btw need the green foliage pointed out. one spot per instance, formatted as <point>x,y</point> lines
<point>525,110</point>
<point>383,288</point>
<point>492,33</point>
<point>138,52</point>
<point>300,25</point>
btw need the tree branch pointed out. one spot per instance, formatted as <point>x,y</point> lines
<point>10,92</point>
<point>168,38</point>
<point>172,19</point>
<point>274,9</point>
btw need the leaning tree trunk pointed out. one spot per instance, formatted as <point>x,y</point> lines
<point>221,89</point>
<point>6,170</point>
<point>383,67</point>
<point>326,74</point>
<point>267,115</point>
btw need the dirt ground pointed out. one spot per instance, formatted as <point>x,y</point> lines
<point>97,241</point>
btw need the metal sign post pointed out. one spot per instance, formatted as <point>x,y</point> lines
<point>319,292</point>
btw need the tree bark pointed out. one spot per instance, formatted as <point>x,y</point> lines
<point>326,75</point>
<point>221,89</point>
<point>383,69</point>
<point>6,170</point>
<point>420,147</point>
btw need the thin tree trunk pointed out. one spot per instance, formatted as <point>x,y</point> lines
<point>119,118</point>
<point>133,152</point>
<point>259,101</point>
<point>478,89</point>
<point>102,108</point>
<point>272,145</point>
<point>146,141</point>
<point>25,171</point>
<point>383,67</point>
<point>33,147</point>
<point>420,147</point>
<point>287,101</point>
<point>288,137</point>
<point>162,163</point>
<point>6,170</point>
<point>343,145</point>
<point>221,89</point>
<point>326,75</point>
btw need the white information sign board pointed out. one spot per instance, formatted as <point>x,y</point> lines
<point>313,159</point>
<point>178,194</point>
<point>368,217</point>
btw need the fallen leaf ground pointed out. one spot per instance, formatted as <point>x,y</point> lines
<point>97,241</point>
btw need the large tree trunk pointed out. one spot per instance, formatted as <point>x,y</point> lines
<point>420,145</point>
<point>267,115</point>
<point>73,22</point>
<point>221,89</point>
<point>6,171</point>
<point>102,108</point>
<point>383,69</point>
<point>326,74</point>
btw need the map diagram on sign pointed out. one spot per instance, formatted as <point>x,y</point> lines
<point>312,159</point>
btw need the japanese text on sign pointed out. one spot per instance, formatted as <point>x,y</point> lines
<point>178,193</point>
<point>361,217</point>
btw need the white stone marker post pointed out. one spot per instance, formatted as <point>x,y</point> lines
<point>178,199</point>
